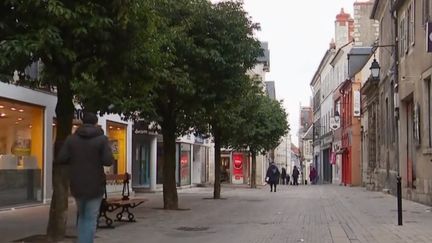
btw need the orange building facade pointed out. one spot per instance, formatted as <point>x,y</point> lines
<point>351,135</point>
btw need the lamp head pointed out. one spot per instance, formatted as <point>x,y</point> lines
<point>375,69</point>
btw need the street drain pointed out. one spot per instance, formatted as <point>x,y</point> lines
<point>194,229</point>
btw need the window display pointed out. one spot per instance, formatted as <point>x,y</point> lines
<point>21,152</point>
<point>116,134</point>
<point>185,164</point>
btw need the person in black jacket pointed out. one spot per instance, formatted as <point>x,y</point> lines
<point>295,175</point>
<point>283,176</point>
<point>87,151</point>
<point>272,176</point>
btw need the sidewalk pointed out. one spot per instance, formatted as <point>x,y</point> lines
<point>316,214</point>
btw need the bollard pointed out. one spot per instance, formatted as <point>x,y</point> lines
<point>399,200</point>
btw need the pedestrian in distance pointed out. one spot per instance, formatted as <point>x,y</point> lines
<point>287,179</point>
<point>283,175</point>
<point>295,175</point>
<point>86,152</point>
<point>312,175</point>
<point>272,176</point>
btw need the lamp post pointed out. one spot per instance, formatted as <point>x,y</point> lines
<point>375,73</point>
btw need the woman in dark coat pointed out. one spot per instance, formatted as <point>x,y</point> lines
<point>295,175</point>
<point>283,175</point>
<point>272,176</point>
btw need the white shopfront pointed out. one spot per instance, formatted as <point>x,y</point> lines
<point>27,132</point>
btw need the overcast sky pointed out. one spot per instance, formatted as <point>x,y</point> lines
<point>298,33</point>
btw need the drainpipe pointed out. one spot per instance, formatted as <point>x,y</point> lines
<point>396,106</point>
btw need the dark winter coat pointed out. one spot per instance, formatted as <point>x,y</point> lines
<point>86,152</point>
<point>295,173</point>
<point>273,174</point>
<point>283,174</point>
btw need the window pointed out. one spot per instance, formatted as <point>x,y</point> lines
<point>403,46</point>
<point>428,109</point>
<point>426,11</point>
<point>391,122</point>
<point>116,134</point>
<point>387,121</point>
<point>21,152</point>
<point>411,23</point>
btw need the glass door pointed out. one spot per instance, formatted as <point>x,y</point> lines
<point>143,161</point>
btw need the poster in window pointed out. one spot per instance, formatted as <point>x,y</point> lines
<point>184,168</point>
<point>237,168</point>
<point>22,147</point>
<point>114,144</point>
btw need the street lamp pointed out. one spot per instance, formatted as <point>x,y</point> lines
<point>375,69</point>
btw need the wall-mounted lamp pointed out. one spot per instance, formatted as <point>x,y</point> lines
<point>375,69</point>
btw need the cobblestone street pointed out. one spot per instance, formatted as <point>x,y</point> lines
<point>293,214</point>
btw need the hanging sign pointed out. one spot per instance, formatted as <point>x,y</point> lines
<point>356,104</point>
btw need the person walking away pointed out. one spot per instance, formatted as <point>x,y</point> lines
<point>283,175</point>
<point>312,175</point>
<point>272,176</point>
<point>86,152</point>
<point>288,179</point>
<point>295,175</point>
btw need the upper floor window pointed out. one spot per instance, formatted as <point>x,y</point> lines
<point>403,38</point>
<point>411,23</point>
<point>426,10</point>
<point>428,110</point>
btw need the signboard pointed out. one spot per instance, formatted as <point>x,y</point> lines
<point>334,123</point>
<point>237,168</point>
<point>356,104</point>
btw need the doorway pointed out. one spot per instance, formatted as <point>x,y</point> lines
<point>410,146</point>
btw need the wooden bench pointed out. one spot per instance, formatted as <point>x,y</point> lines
<point>125,203</point>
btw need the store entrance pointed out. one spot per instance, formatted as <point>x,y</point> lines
<point>225,168</point>
<point>142,158</point>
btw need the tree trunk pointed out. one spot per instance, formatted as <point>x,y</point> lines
<point>60,179</point>
<point>253,172</point>
<point>217,168</point>
<point>169,179</point>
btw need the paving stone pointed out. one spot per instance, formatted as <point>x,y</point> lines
<point>309,214</point>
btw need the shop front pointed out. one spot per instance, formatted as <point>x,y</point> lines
<point>200,161</point>
<point>119,133</point>
<point>144,145</point>
<point>241,168</point>
<point>184,164</point>
<point>235,167</point>
<point>25,130</point>
<point>21,152</point>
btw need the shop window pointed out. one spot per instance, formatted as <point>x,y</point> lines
<point>116,134</point>
<point>160,163</point>
<point>21,152</point>
<point>185,164</point>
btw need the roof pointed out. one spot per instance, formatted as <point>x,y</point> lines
<point>358,57</point>
<point>321,65</point>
